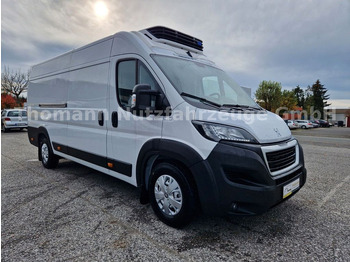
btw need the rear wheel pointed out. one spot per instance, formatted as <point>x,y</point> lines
<point>303,127</point>
<point>3,128</point>
<point>171,195</point>
<point>48,158</point>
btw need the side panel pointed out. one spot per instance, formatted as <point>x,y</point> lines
<point>47,98</point>
<point>87,98</point>
<point>52,66</point>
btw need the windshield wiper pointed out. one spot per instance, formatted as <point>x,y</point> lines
<point>239,107</point>
<point>229,106</point>
<point>201,99</point>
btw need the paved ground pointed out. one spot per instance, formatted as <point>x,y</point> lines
<point>333,132</point>
<point>326,137</point>
<point>74,213</point>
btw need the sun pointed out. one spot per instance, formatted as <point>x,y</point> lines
<point>101,9</point>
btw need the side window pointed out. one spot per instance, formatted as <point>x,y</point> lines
<point>211,86</point>
<point>129,74</point>
<point>145,77</point>
<point>24,113</point>
<point>126,81</point>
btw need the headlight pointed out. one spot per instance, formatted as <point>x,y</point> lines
<point>219,132</point>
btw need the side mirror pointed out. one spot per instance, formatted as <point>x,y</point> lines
<point>143,99</point>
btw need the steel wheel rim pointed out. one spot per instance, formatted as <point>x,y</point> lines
<point>168,195</point>
<point>45,153</point>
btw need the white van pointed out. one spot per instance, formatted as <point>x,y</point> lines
<point>149,108</point>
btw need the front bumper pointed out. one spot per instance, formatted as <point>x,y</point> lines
<point>238,181</point>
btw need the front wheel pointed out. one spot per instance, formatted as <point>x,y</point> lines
<point>48,158</point>
<point>303,127</point>
<point>171,195</point>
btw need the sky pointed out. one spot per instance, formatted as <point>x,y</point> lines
<point>294,42</point>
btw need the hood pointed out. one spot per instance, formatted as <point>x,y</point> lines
<point>266,127</point>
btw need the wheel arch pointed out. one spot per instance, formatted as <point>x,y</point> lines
<point>184,157</point>
<point>159,150</point>
<point>35,134</point>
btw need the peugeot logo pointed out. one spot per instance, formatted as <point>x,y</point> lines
<point>277,132</point>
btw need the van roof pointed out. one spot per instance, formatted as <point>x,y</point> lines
<point>147,40</point>
<point>170,36</point>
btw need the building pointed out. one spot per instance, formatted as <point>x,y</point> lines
<point>339,114</point>
<point>296,114</point>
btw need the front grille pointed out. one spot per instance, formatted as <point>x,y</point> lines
<point>278,160</point>
<point>291,176</point>
<point>175,36</point>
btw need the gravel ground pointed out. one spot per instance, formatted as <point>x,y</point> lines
<point>74,213</point>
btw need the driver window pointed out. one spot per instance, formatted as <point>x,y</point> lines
<point>131,73</point>
<point>211,87</point>
<point>126,81</point>
<point>145,77</point>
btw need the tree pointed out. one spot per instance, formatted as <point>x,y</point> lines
<point>14,82</point>
<point>288,99</point>
<point>308,100</point>
<point>320,97</point>
<point>300,96</point>
<point>22,100</point>
<point>269,95</point>
<point>7,101</point>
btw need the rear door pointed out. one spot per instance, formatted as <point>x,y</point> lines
<point>15,117</point>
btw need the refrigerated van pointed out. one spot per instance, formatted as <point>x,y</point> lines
<point>151,109</point>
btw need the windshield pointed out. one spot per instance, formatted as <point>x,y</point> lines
<point>203,81</point>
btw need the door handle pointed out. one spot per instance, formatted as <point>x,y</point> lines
<point>100,118</point>
<point>115,119</point>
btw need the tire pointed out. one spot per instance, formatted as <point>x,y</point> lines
<point>172,197</point>
<point>303,127</point>
<point>48,158</point>
<point>3,128</point>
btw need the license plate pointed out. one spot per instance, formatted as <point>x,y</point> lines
<point>290,188</point>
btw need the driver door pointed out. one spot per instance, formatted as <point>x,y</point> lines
<point>127,133</point>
